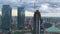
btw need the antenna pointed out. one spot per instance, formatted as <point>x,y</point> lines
<point>34,4</point>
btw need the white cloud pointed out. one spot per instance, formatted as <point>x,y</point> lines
<point>44,6</point>
<point>53,10</point>
<point>30,3</point>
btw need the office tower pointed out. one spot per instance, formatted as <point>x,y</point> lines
<point>0,25</point>
<point>36,22</point>
<point>21,17</point>
<point>0,22</point>
<point>6,18</point>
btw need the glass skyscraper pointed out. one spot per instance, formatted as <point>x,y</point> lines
<point>21,17</point>
<point>6,18</point>
<point>36,22</point>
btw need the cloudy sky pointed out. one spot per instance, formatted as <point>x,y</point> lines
<point>45,6</point>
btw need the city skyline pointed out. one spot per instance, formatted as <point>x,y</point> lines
<point>29,13</point>
<point>29,16</point>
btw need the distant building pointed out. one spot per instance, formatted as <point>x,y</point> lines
<point>6,18</point>
<point>37,21</point>
<point>14,22</point>
<point>13,26</point>
<point>28,22</point>
<point>14,19</point>
<point>21,17</point>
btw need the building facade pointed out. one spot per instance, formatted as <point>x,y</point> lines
<point>6,18</point>
<point>21,17</point>
<point>36,22</point>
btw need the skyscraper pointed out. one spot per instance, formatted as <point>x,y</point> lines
<point>36,22</point>
<point>6,18</point>
<point>21,17</point>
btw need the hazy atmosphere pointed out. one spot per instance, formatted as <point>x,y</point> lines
<point>29,16</point>
<point>45,6</point>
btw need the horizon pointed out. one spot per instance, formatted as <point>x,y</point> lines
<point>30,14</point>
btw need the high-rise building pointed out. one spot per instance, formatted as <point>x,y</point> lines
<point>6,18</point>
<point>36,22</point>
<point>0,22</point>
<point>21,17</point>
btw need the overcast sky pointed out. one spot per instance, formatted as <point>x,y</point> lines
<point>45,6</point>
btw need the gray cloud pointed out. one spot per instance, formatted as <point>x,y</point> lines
<point>29,4</point>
